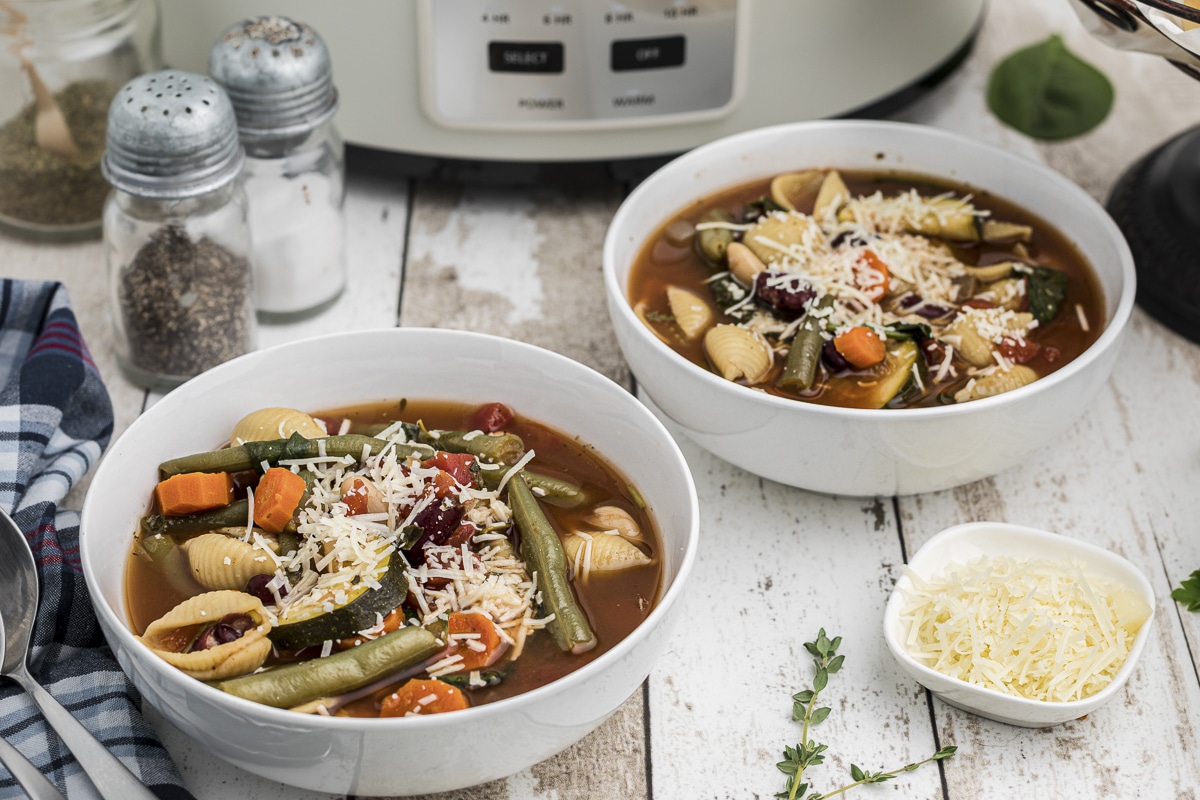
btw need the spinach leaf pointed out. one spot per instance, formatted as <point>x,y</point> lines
<point>1046,289</point>
<point>727,293</point>
<point>900,331</point>
<point>1047,92</point>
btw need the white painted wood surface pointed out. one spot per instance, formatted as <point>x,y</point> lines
<point>779,563</point>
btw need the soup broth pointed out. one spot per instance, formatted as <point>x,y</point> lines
<point>928,305</point>
<point>614,602</point>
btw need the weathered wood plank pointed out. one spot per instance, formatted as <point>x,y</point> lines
<point>1122,478</point>
<point>776,565</point>
<point>521,262</point>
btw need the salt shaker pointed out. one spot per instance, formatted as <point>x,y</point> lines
<point>278,75</point>
<point>176,233</point>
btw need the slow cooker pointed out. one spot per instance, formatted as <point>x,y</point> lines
<point>576,80</point>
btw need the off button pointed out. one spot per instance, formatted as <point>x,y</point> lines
<point>634,54</point>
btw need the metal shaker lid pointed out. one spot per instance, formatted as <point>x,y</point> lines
<point>171,134</point>
<point>278,74</point>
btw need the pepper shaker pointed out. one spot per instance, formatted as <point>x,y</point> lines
<point>176,233</point>
<point>278,75</point>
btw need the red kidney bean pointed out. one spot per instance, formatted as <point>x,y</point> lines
<point>257,586</point>
<point>229,629</point>
<point>790,295</point>
<point>832,358</point>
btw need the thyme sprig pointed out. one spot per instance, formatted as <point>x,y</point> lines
<point>809,753</point>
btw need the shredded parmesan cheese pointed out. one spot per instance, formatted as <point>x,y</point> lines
<point>1037,629</point>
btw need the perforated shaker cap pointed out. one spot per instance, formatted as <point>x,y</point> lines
<point>278,74</point>
<point>171,134</point>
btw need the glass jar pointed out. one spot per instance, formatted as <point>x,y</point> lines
<point>176,231</point>
<point>61,63</point>
<point>278,76</point>
<point>296,188</point>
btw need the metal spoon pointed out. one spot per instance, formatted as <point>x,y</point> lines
<point>18,606</point>
<point>21,768</point>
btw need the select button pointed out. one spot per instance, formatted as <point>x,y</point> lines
<point>634,54</point>
<point>544,57</point>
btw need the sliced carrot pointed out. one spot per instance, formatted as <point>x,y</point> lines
<point>479,644</point>
<point>275,500</point>
<point>861,346</point>
<point>194,491</point>
<point>873,277</point>
<point>423,697</point>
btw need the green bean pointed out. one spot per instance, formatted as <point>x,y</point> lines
<point>800,369</point>
<point>713,242</point>
<point>233,515</point>
<point>555,491</point>
<point>507,448</point>
<point>543,552</point>
<point>252,455</point>
<point>293,684</point>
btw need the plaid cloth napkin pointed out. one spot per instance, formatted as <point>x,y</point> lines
<point>55,420</point>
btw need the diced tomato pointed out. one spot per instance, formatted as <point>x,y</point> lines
<point>462,534</point>
<point>423,697</point>
<point>457,464</point>
<point>356,498</point>
<point>1018,351</point>
<point>871,276</point>
<point>492,417</point>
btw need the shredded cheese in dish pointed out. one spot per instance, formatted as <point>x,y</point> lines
<point>1038,629</point>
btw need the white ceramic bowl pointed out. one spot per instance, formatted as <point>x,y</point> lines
<point>865,451</point>
<point>964,542</point>
<point>408,755</point>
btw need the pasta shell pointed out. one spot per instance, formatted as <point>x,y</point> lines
<point>832,195</point>
<point>223,562</point>
<point>615,518</point>
<point>601,552</point>
<point>744,265</point>
<point>996,383</point>
<point>772,237</point>
<point>738,353</point>
<point>792,189</point>
<point>975,350</point>
<point>1007,293</point>
<point>692,314</point>
<point>167,636</point>
<point>266,424</point>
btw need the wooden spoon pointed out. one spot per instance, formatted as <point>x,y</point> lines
<point>50,129</point>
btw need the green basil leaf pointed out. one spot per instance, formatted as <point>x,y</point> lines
<point>1047,92</point>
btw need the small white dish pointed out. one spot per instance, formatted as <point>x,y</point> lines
<point>964,542</point>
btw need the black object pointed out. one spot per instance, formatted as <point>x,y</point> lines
<point>637,54</point>
<point>1156,203</point>
<point>543,57</point>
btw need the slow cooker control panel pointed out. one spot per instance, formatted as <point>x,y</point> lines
<point>512,64</point>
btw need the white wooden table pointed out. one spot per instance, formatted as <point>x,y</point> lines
<point>779,563</point>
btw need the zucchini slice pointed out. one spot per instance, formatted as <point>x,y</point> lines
<point>875,387</point>
<point>309,624</point>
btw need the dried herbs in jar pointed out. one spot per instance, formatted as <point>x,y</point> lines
<point>42,188</point>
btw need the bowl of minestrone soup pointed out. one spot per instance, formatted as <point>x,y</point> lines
<point>390,562</point>
<point>866,308</point>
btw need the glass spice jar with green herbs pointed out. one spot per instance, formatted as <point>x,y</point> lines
<point>61,63</point>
